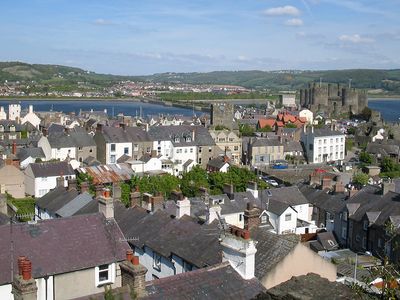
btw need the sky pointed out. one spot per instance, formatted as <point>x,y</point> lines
<point>131,37</point>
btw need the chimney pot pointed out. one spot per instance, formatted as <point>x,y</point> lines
<point>246,234</point>
<point>135,260</point>
<point>21,260</point>
<point>129,255</point>
<point>26,269</point>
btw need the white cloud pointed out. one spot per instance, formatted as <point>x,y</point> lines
<point>294,22</point>
<point>287,10</point>
<point>355,39</point>
<point>103,22</point>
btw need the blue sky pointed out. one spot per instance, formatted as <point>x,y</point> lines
<point>152,36</point>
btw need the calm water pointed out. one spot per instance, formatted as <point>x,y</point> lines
<point>113,107</point>
<point>390,109</point>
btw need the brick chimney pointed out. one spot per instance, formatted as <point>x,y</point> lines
<point>14,148</point>
<point>135,198</point>
<point>229,190</point>
<point>339,187</point>
<point>152,203</point>
<point>240,251</point>
<point>326,183</point>
<point>251,217</point>
<point>60,181</point>
<point>352,192</point>
<point>182,208</point>
<point>133,274</point>
<point>99,190</point>
<point>252,188</point>
<point>24,286</point>
<point>106,204</point>
<point>72,185</point>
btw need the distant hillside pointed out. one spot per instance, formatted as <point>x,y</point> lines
<point>387,80</point>
<point>67,78</point>
<point>53,74</point>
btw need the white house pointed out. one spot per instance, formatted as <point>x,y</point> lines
<point>40,178</point>
<point>379,135</point>
<point>147,163</point>
<point>52,152</point>
<point>31,117</point>
<point>323,144</point>
<point>3,114</point>
<point>308,114</point>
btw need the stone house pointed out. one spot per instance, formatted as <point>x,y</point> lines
<point>12,180</point>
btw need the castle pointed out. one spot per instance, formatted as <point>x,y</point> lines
<point>333,99</point>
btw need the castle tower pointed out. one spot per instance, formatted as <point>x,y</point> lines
<point>14,112</point>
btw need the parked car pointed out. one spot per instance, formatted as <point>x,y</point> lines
<point>270,181</point>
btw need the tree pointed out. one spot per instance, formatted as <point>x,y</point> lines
<point>193,180</point>
<point>246,130</point>
<point>154,184</point>
<point>125,193</point>
<point>365,157</point>
<point>351,130</point>
<point>349,144</point>
<point>388,165</point>
<point>360,179</point>
<point>366,113</point>
<point>290,125</point>
<point>266,128</point>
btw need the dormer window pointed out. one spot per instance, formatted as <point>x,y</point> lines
<point>264,219</point>
<point>12,128</point>
<point>176,139</point>
<point>188,139</point>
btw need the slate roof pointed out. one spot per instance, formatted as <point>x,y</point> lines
<point>201,135</point>
<point>271,249</point>
<point>76,204</point>
<point>277,207</point>
<point>265,142</point>
<point>217,162</point>
<point>72,139</point>
<point>24,153</point>
<point>48,169</point>
<point>4,219</point>
<point>312,287</point>
<point>330,203</point>
<point>321,132</point>
<point>196,244</point>
<point>129,135</point>
<point>62,245</point>
<point>291,146</point>
<point>290,195</point>
<point>217,282</point>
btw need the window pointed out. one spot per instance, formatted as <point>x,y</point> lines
<point>199,149</point>
<point>344,216</point>
<point>288,217</point>
<point>191,150</point>
<point>91,150</point>
<point>44,178</point>
<point>240,217</point>
<point>209,149</point>
<point>42,192</point>
<point>112,159</point>
<point>112,147</point>
<point>185,150</point>
<point>200,160</point>
<point>365,225</point>
<point>235,148</point>
<point>126,150</point>
<point>148,149</point>
<point>156,261</point>
<point>79,148</point>
<point>187,267</point>
<point>231,139</point>
<point>105,274</point>
<point>263,219</point>
<point>344,233</point>
<point>135,147</point>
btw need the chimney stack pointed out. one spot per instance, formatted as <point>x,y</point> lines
<point>24,286</point>
<point>106,204</point>
<point>60,181</point>
<point>72,185</point>
<point>99,190</point>
<point>252,188</point>
<point>214,212</point>
<point>182,208</point>
<point>133,274</point>
<point>84,187</point>
<point>251,217</point>
<point>388,187</point>
<point>117,193</point>
<point>240,251</point>
<point>229,190</point>
<point>14,148</point>
<point>135,198</point>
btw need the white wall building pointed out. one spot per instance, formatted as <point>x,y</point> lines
<point>3,114</point>
<point>308,114</point>
<point>14,112</point>
<point>31,117</point>
<point>323,144</point>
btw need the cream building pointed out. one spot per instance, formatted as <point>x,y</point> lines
<point>229,143</point>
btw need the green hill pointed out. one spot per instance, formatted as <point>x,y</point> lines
<point>68,78</point>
